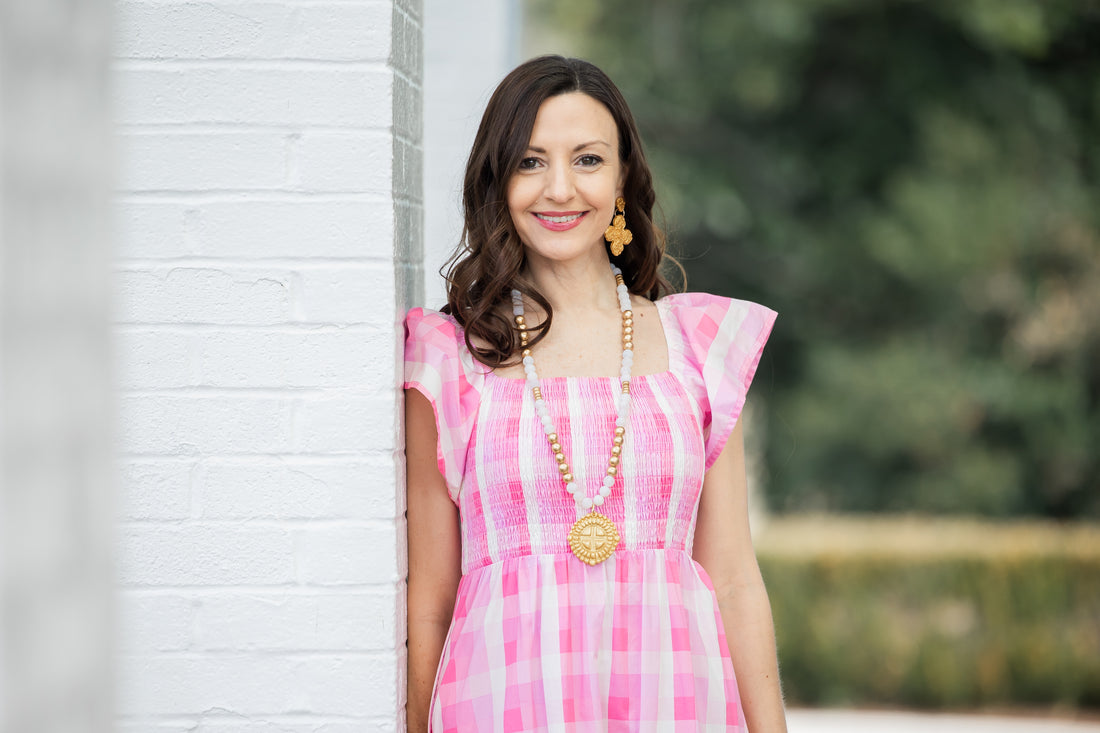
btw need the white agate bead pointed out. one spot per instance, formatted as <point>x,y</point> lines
<point>622,402</point>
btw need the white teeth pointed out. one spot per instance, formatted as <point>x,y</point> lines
<point>559,219</point>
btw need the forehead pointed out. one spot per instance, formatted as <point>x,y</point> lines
<point>573,118</point>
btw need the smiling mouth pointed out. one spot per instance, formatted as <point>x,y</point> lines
<point>560,219</point>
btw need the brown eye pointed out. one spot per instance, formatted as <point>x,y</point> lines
<point>590,160</point>
<point>528,163</point>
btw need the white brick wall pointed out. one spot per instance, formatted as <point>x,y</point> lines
<point>269,241</point>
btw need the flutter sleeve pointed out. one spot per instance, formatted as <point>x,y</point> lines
<point>722,340</point>
<point>437,367</point>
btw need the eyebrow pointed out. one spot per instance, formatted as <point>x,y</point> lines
<point>582,146</point>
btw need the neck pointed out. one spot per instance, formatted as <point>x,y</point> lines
<point>575,286</point>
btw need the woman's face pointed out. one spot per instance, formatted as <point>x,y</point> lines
<point>562,197</point>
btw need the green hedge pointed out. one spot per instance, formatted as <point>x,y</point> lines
<point>935,613</point>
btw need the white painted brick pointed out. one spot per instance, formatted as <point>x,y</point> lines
<point>293,97</point>
<point>204,295</point>
<point>149,230</point>
<point>408,52</point>
<point>342,424</point>
<point>345,293</point>
<point>343,555</point>
<point>258,684</point>
<point>409,233</point>
<point>296,489</point>
<point>366,725</point>
<point>194,424</point>
<point>415,9</point>
<point>407,168</point>
<point>269,358</point>
<point>221,723</point>
<point>205,555</point>
<point>217,721</point>
<point>408,110</point>
<point>154,623</point>
<point>269,622</point>
<point>203,161</point>
<point>275,148</point>
<point>149,359</point>
<point>155,490</point>
<point>254,30</point>
<point>155,726</point>
<point>360,228</point>
<point>350,162</point>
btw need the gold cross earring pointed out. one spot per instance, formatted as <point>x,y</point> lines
<point>617,235</point>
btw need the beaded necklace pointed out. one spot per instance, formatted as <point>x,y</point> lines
<point>593,538</point>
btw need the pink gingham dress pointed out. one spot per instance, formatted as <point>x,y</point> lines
<point>539,640</point>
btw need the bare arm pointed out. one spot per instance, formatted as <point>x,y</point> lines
<point>434,557</point>
<point>723,546</point>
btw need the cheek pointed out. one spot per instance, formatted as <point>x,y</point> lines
<point>521,194</point>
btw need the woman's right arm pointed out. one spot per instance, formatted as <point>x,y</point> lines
<point>435,557</point>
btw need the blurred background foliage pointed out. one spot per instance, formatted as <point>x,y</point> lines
<point>915,187</point>
<point>935,613</point>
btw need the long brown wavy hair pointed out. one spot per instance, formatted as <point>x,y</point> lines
<point>491,259</point>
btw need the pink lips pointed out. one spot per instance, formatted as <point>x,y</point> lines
<point>555,226</point>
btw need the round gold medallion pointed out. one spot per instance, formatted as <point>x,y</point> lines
<point>593,538</point>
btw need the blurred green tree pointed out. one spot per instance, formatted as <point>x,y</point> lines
<point>916,188</point>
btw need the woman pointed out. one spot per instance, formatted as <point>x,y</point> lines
<point>579,550</point>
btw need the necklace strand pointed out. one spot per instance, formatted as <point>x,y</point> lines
<point>622,402</point>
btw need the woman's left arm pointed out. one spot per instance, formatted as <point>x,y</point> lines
<point>723,546</point>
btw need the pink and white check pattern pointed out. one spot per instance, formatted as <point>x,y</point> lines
<point>539,640</point>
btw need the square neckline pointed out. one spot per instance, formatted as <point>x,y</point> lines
<point>662,319</point>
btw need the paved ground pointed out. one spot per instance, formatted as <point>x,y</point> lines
<point>848,721</point>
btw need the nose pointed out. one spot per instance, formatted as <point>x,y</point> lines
<point>559,183</point>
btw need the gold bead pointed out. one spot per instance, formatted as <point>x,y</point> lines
<point>559,457</point>
<point>525,352</point>
<point>628,321</point>
<point>567,478</point>
<point>556,447</point>
<point>519,319</point>
<point>613,461</point>
<point>620,431</point>
<point>628,331</point>
<point>611,470</point>
<point>521,326</point>
<point>628,314</point>
<point>537,392</point>
<point>553,437</point>
<point>563,467</point>
<point>626,387</point>
<point>618,441</point>
<point>616,449</point>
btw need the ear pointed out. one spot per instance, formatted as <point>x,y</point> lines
<point>622,182</point>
